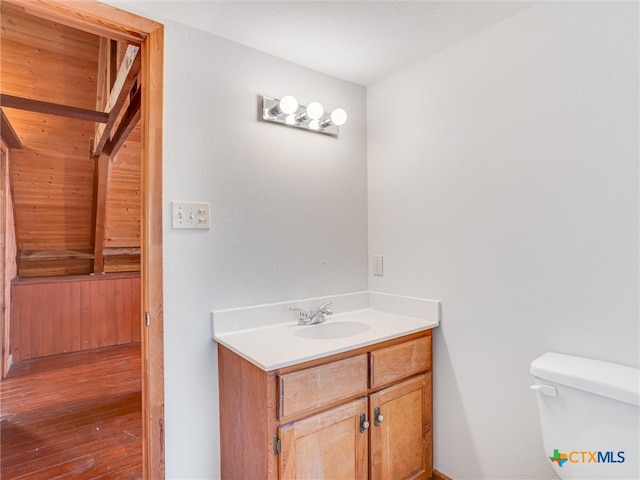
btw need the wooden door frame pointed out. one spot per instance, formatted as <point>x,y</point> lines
<point>110,22</point>
<point>4,321</point>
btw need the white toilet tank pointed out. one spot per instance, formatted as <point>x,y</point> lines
<point>590,417</point>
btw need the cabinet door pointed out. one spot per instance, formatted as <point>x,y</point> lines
<point>328,445</point>
<point>400,430</point>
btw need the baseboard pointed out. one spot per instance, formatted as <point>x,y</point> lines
<point>440,476</point>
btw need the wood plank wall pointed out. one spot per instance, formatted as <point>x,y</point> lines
<point>52,177</point>
<point>59,315</point>
<point>124,213</point>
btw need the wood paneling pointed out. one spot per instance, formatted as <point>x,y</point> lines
<point>73,416</point>
<point>52,316</point>
<point>52,184</point>
<point>123,224</point>
<point>44,60</point>
<point>53,176</point>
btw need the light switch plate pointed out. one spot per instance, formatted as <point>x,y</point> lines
<point>193,215</point>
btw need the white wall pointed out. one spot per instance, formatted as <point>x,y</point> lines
<point>503,181</point>
<point>288,212</point>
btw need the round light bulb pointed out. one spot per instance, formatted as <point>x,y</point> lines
<point>291,119</point>
<point>314,124</point>
<point>288,104</point>
<point>338,117</point>
<point>315,110</point>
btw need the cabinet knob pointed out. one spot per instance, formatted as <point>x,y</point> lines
<point>377,416</point>
<point>364,424</point>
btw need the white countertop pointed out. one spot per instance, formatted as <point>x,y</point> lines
<point>276,346</point>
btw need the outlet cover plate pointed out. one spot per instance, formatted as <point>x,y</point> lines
<point>378,269</point>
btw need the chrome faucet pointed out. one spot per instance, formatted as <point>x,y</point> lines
<point>309,317</point>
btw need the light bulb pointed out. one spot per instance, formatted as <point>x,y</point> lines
<point>338,117</point>
<point>290,120</point>
<point>315,110</point>
<point>288,104</point>
<point>314,125</point>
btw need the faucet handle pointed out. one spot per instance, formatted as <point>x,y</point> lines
<point>324,307</point>
<point>302,313</point>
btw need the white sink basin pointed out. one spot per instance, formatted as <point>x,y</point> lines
<point>332,330</point>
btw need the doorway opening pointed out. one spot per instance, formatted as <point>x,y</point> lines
<point>82,89</point>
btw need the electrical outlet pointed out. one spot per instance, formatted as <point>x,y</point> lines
<point>190,215</point>
<point>377,266</point>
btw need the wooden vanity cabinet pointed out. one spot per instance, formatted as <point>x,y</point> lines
<point>362,414</point>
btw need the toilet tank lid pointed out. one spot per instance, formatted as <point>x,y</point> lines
<point>595,376</point>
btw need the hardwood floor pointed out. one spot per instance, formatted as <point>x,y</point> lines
<point>75,415</point>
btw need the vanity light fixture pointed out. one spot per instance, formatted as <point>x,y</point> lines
<point>338,117</point>
<point>287,111</point>
<point>287,105</point>
<point>314,111</point>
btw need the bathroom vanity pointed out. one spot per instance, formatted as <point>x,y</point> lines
<point>354,407</point>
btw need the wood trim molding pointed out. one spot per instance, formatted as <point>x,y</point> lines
<point>110,22</point>
<point>151,254</point>
<point>440,476</point>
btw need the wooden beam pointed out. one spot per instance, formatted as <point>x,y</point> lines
<point>127,124</point>
<point>39,255</point>
<point>9,135</point>
<point>127,75</point>
<point>107,71</point>
<point>112,66</point>
<point>48,108</point>
<point>102,81</point>
<point>121,251</point>
<point>90,16</point>
<point>100,189</point>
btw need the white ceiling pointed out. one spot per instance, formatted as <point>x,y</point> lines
<point>358,41</point>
